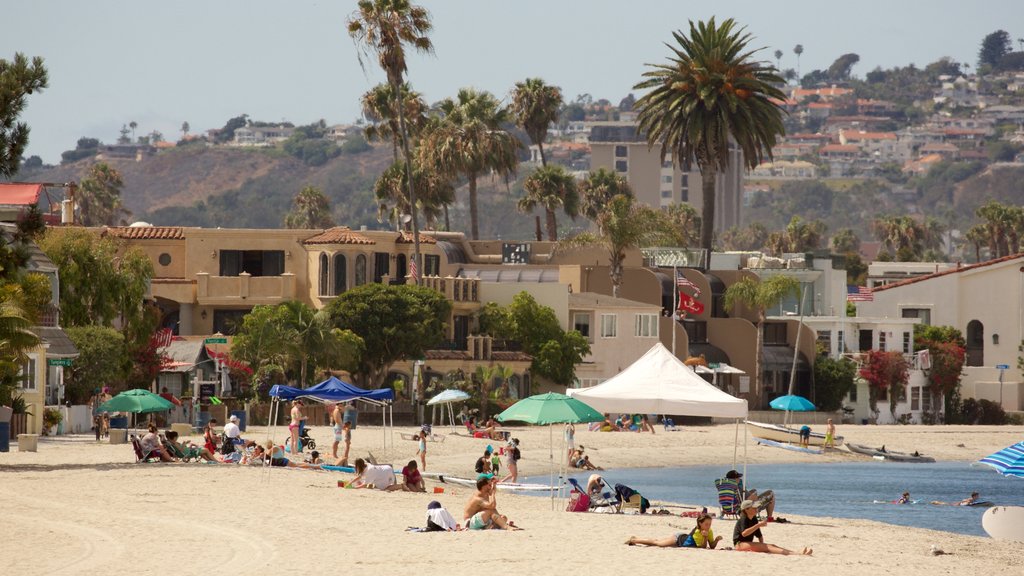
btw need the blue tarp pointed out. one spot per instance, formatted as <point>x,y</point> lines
<point>333,390</point>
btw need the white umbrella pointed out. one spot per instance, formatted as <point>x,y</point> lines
<point>448,397</point>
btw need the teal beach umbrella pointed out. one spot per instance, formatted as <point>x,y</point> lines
<point>137,401</point>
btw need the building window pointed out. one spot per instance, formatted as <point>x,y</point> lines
<point>581,324</point>
<point>621,151</point>
<point>915,398</point>
<point>360,269</point>
<point>881,341</point>
<point>666,178</point>
<point>325,274</point>
<point>164,259</point>
<point>775,334</point>
<point>923,314</point>
<point>825,339</point>
<point>340,274</point>
<point>28,374</point>
<point>381,265</point>
<point>622,166</point>
<point>841,341</point>
<point>252,262</point>
<point>228,321</point>
<point>608,325</point>
<point>646,326</point>
<point>431,265</point>
<point>401,269</point>
<point>906,342</point>
<point>853,391</point>
<point>666,193</point>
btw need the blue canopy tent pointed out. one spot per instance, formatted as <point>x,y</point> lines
<point>335,390</point>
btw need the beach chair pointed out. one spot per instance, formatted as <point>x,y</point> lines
<point>630,500</point>
<point>593,501</point>
<point>191,454</point>
<point>579,501</point>
<point>139,456</point>
<point>729,497</point>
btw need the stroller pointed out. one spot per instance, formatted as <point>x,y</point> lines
<point>305,441</point>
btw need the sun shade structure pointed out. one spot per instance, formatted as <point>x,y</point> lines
<point>445,400</point>
<point>792,403</point>
<point>550,408</point>
<point>331,391</point>
<point>659,383</point>
<point>1009,461</point>
<point>137,401</point>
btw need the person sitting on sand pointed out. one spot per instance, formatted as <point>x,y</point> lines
<point>701,537</point>
<point>905,499</point>
<point>581,460</point>
<point>748,528</point>
<point>645,424</point>
<point>412,481</point>
<point>607,425</point>
<point>483,463</point>
<point>151,447</point>
<point>481,511</point>
<point>969,501</point>
<point>379,476</point>
<point>764,501</point>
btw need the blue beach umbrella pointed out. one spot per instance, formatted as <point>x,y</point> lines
<point>1008,461</point>
<point>792,403</point>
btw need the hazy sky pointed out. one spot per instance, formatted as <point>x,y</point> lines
<point>204,61</point>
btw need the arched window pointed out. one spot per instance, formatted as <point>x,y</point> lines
<point>325,274</point>
<point>360,269</point>
<point>340,274</point>
<point>975,343</point>
<point>400,268</point>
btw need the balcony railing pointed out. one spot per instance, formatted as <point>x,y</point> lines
<point>455,289</point>
<point>244,288</point>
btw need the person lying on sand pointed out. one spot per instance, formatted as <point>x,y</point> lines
<point>748,528</point>
<point>481,511</point>
<point>700,537</point>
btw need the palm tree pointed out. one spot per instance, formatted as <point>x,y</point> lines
<point>711,93</point>
<point>901,234</point>
<point>778,59</point>
<point>16,339</point>
<point>379,108</point>
<point>978,236</point>
<point>311,209</point>
<point>804,235</point>
<point>433,192</point>
<point>99,197</point>
<point>798,50</point>
<point>625,224</point>
<point>999,222</point>
<point>759,296</point>
<point>551,187</point>
<point>846,240</point>
<point>133,125</point>
<point>535,106</point>
<point>184,129</point>
<point>382,28</point>
<point>598,188</point>
<point>470,140</point>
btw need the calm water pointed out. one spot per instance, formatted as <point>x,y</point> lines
<point>842,490</point>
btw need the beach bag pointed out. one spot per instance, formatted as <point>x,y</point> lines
<point>228,446</point>
<point>578,502</point>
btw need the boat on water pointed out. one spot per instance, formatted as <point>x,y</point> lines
<point>888,454</point>
<point>781,433</point>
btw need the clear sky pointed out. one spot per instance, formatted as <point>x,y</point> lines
<point>204,61</point>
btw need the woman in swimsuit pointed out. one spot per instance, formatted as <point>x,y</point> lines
<point>209,437</point>
<point>293,426</point>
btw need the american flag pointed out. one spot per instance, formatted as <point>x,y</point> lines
<point>684,282</point>
<point>413,272</point>
<point>163,337</point>
<point>863,294</point>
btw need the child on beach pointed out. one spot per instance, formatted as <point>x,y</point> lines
<point>512,461</point>
<point>700,537</point>
<point>830,434</point>
<point>421,450</point>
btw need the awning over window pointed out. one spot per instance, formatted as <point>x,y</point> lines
<point>780,359</point>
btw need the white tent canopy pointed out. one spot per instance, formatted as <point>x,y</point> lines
<point>659,383</point>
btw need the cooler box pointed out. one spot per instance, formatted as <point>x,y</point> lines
<point>118,435</point>
<point>28,442</point>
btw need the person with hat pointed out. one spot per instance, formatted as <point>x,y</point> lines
<point>764,501</point>
<point>748,528</point>
<point>231,429</point>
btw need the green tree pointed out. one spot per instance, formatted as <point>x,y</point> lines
<point>993,47</point>
<point>758,296</point>
<point>470,139</point>
<point>833,379</point>
<point>434,193</point>
<point>598,189</point>
<point>16,339</point>
<point>535,106</point>
<point>846,241</point>
<point>382,29</point>
<point>18,79</point>
<point>103,361</point>
<point>185,129</point>
<point>798,50</point>
<point>99,197</point>
<point>227,133</point>
<point>885,372</point>
<point>712,92</point>
<point>686,224</point>
<point>622,225</point>
<point>902,235</point>
<point>552,188</point>
<point>841,67</point>
<point>394,322</point>
<point>778,59</point>
<point>310,209</point>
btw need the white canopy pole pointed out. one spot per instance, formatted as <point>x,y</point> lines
<point>735,443</point>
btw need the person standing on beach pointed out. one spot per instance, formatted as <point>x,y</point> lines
<point>293,426</point>
<point>748,528</point>
<point>421,450</point>
<point>512,461</point>
<point>830,434</point>
<point>805,436</point>
<point>336,426</point>
<point>346,437</point>
<point>481,512</point>
<point>210,437</point>
<point>570,439</point>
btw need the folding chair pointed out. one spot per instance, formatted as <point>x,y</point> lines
<point>629,499</point>
<point>598,499</point>
<point>729,497</point>
<point>139,456</point>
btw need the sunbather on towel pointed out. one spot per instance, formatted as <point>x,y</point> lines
<point>701,537</point>
<point>481,511</point>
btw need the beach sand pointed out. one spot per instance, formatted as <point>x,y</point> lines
<point>77,507</point>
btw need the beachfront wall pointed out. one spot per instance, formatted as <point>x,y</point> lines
<point>984,302</point>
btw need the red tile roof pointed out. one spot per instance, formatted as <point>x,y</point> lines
<point>839,148</point>
<point>406,238</point>
<point>147,232</point>
<point>339,235</point>
<point>20,194</point>
<point>862,135</point>
<point>956,270</point>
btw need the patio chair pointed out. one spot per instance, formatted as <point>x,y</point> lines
<point>729,498</point>
<point>139,456</point>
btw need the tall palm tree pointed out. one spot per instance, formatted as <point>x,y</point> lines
<point>551,187</point>
<point>759,296</point>
<point>778,59</point>
<point>433,192</point>
<point>710,93</point>
<point>99,197</point>
<point>624,224</point>
<point>311,209</point>
<point>598,188</point>
<point>798,50</point>
<point>804,235</point>
<point>379,107</point>
<point>998,221</point>
<point>978,236</point>
<point>383,28</point>
<point>470,140</point>
<point>535,106</point>
<point>901,234</point>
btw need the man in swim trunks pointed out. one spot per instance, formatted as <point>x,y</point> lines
<point>481,511</point>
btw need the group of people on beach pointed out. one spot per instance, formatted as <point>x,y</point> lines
<point>624,423</point>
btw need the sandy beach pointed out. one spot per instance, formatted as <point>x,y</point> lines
<point>78,507</point>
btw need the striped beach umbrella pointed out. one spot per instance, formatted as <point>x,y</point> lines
<point>1008,461</point>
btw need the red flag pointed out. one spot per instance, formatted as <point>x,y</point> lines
<point>689,304</point>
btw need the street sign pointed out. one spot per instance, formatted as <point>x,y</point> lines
<point>58,361</point>
<point>216,340</point>
<point>1002,366</point>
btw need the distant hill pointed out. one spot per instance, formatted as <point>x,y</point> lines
<point>254,188</point>
<point>1000,182</point>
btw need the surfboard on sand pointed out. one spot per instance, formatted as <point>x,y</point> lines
<point>793,447</point>
<point>1004,522</point>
